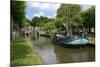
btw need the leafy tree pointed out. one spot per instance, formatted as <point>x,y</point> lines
<point>40,21</point>
<point>69,12</point>
<point>49,26</point>
<point>88,18</point>
<point>17,15</point>
<point>76,20</point>
<point>18,12</point>
<point>59,22</point>
<point>63,10</point>
<point>34,21</point>
<point>26,23</point>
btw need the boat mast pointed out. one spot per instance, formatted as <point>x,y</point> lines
<point>68,28</point>
<point>83,30</point>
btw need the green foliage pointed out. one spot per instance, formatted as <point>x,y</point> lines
<point>35,20</point>
<point>63,10</point>
<point>59,22</point>
<point>40,21</point>
<point>49,26</point>
<point>69,12</point>
<point>76,20</point>
<point>76,17</point>
<point>26,23</point>
<point>74,9</point>
<point>18,12</point>
<point>88,17</point>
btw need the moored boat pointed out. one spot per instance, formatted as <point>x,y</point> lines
<point>71,41</point>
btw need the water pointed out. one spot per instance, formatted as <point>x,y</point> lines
<point>53,54</point>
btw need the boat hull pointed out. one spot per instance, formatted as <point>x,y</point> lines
<point>71,42</point>
<point>80,41</point>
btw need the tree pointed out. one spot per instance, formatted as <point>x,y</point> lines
<point>17,15</point>
<point>49,26</point>
<point>40,21</point>
<point>18,12</point>
<point>69,12</point>
<point>59,22</point>
<point>63,10</point>
<point>26,23</point>
<point>76,20</point>
<point>88,18</point>
<point>34,21</point>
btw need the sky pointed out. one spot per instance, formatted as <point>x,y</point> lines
<point>44,9</point>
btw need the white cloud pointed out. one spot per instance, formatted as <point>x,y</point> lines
<point>57,6</point>
<point>36,15</point>
<point>43,6</point>
<point>36,4</point>
<point>51,17</point>
<point>85,7</point>
<point>39,5</point>
<point>39,14</point>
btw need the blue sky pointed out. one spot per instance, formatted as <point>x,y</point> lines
<point>44,9</point>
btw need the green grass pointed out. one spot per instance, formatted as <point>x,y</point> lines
<point>22,53</point>
<point>91,40</point>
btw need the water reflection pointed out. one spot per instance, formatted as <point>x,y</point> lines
<point>46,50</point>
<point>52,54</point>
<point>69,55</point>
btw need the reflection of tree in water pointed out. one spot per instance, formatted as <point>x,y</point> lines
<point>57,54</point>
<point>45,50</point>
<point>42,42</point>
<point>91,54</point>
<point>69,55</point>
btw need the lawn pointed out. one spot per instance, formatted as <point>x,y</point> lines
<point>22,53</point>
<point>91,40</point>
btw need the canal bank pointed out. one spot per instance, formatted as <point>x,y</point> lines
<point>22,53</point>
<point>91,40</point>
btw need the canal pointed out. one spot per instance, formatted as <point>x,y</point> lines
<point>54,54</point>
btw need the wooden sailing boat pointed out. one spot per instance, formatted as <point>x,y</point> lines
<point>69,39</point>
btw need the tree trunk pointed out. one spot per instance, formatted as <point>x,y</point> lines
<point>11,28</point>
